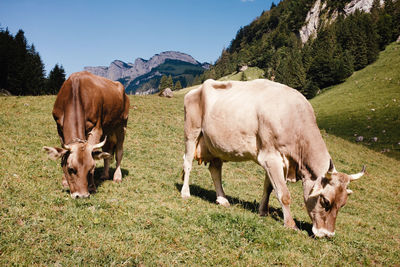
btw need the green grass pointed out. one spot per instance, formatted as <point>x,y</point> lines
<point>367,104</point>
<point>144,221</point>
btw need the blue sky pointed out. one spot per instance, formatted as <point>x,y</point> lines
<point>94,33</point>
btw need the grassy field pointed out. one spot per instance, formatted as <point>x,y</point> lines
<point>144,221</point>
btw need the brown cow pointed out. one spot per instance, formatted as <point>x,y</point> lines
<point>89,109</point>
<point>274,126</point>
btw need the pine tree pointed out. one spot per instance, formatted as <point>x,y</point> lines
<point>16,81</point>
<point>34,73</point>
<point>178,85</point>
<point>163,83</point>
<point>385,29</point>
<point>6,55</point>
<point>170,82</point>
<point>375,10</point>
<point>21,68</point>
<point>55,80</point>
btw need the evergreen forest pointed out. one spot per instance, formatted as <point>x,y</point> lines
<point>22,71</point>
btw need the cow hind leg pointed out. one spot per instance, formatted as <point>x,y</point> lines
<point>272,164</point>
<point>187,167</point>
<point>263,209</point>
<point>215,169</point>
<point>118,155</point>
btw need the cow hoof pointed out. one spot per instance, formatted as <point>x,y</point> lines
<point>263,213</point>
<point>117,180</point>
<point>185,195</point>
<point>292,226</point>
<point>223,201</point>
<point>104,177</point>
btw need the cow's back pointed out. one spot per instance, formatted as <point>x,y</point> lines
<point>86,101</point>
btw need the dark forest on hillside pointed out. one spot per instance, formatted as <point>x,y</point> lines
<point>22,70</point>
<point>342,46</point>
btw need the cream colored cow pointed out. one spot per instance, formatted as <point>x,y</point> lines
<point>274,126</point>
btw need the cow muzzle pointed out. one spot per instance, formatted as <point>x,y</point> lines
<point>321,232</point>
<point>76,195</point>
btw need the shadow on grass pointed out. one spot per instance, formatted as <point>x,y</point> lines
<point>276,214</point>
<point>99,170</point>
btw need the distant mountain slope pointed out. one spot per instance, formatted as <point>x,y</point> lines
<point>135,75</point>
<point>367,105</point>
<point>183,71</point>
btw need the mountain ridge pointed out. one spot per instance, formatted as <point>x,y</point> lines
<point>127,73</point>
<point>119,69</point>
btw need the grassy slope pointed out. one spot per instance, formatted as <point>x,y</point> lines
<point>144,220</point>
<point>367,104</point>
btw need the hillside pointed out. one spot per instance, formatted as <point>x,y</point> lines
<point>184,72</point>
<point>312,44</point>
<point>367,105</point>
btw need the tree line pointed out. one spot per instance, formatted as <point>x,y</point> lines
<point>22,70</point>
<point>167,82</point>
<point>342,46</point>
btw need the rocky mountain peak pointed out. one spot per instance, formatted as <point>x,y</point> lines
<point>119,69</point>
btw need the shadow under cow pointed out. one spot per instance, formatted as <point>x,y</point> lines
<point>276,214</point>
<point>98,172</point>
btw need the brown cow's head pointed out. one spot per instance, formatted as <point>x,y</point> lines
<point>78,163</point>
<point>325,199</point>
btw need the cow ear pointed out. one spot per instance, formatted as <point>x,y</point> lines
<point>97,155</point>
<point>54,153</point>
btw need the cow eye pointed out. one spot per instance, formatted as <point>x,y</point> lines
<point>72,171</point>
<point>325,202</point>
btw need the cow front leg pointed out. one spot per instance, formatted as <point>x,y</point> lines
<point>263,209</point>
<point>91,184</point>
<point>105,175</point>
<point>272,164</point>
<point>215,169</point>
<point>108,147</point>
<point>187,167</point>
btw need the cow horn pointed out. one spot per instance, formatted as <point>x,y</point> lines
<point>349,191</point>
<point>99,145</point>
<point>66,147</point>
<point>331,170</point>
<point>358,175</point>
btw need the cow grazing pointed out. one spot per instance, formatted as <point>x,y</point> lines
<point>89,109</point>
<point>274,126</point>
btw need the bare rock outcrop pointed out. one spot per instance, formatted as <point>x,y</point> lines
<point>362,5</point>
<point>167,92</point>
<point>312,22</point>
